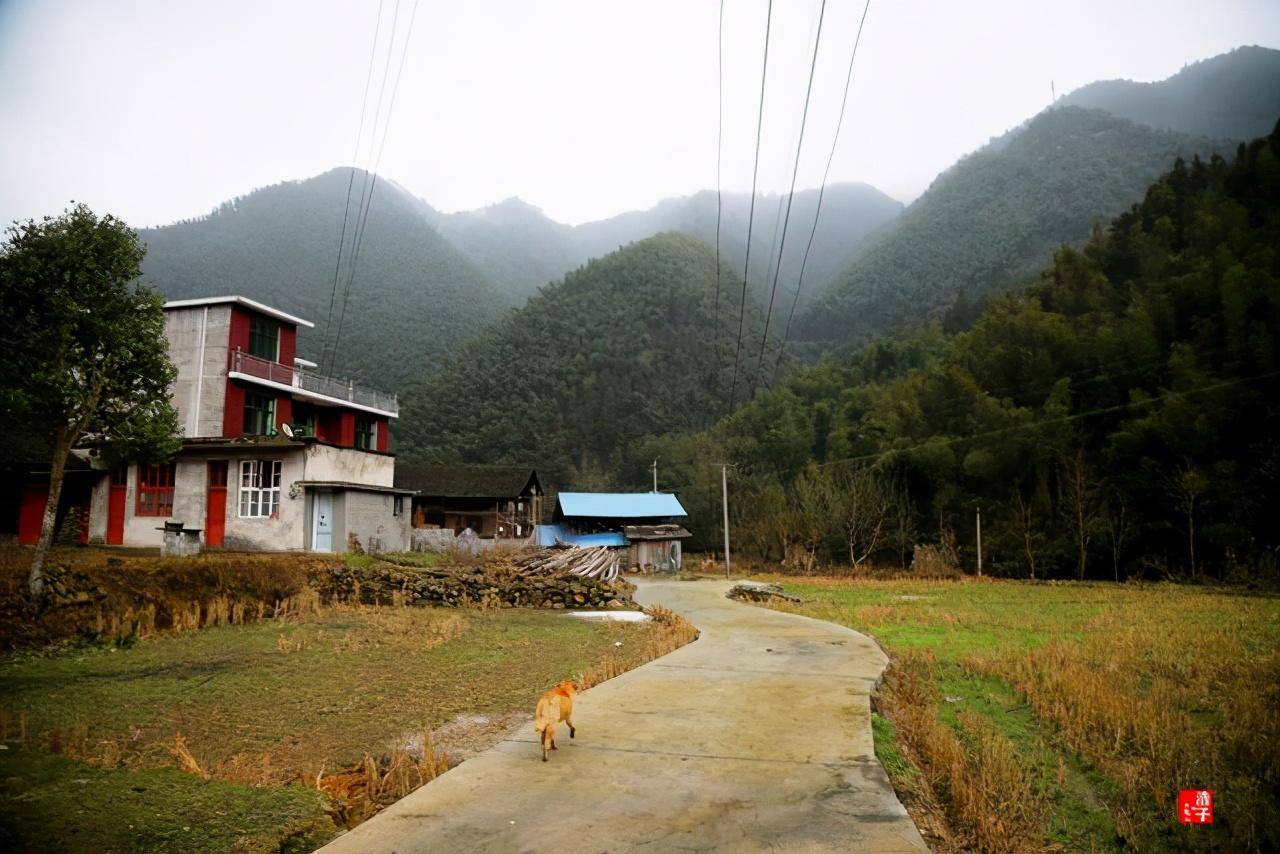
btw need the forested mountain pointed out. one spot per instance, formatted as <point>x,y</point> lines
<point>622,348</point>
<point>987,222</point>
<point>414,298</point>
<point>1233,96</point>
<point>521,249</point>
<point>1116,419</point>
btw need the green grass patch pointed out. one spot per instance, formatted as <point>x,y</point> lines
<point>55,804</point>
<point>259,706</point>
<point>888,752</point>
<point>1112,697</point>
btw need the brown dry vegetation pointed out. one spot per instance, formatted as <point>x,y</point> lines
<point>347,699</point>
<point>1038,716</point>
<point>98,594</point>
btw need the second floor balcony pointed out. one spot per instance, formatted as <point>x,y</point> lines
<point>311,385</point>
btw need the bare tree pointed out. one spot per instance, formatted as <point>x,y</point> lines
<point>1187,484</point>
<point>1117,524</point>
<point>863,503</point>
<point>1081,488</point>
<point>903,522</point>
<point>1024,517</point>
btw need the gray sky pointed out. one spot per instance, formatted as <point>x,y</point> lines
<point>159,110</point>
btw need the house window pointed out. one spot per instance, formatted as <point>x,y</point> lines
<point>264,338</point>
<point>259,488</point>
<point>366,433</point>
<point>397,505</point>
<point>155,490</point>
<point>304,420</point>
<point>259,414</point>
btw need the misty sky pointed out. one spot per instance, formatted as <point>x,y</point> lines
<point>157,111</point>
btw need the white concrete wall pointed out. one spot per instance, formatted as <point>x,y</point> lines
<point>198,347</point>
<point>349,465</point>
<point>98,510</point>
<point>369,516</point>
<point>188,504</point>
<point>288,531</point>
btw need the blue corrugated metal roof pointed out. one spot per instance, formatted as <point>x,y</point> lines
<point>548,534</point>
<point>620,505</point>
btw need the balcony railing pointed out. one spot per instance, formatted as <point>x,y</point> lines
<point>331,387</point>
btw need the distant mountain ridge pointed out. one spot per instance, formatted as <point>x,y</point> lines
<point>427,282</point>
<point>414,298</point>
<point>521,249</point>
<point>621,348</point>
<point>1232,96</point>
<point>987,222</point>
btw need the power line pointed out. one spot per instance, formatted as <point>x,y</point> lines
<point>364,182</point>
<point>1060,420</point>
<point>719,203</point>
<point>844,103</point>
<point>395,90</point>
<point>795,170</point>
<point>355,158</point>
<point>755,171</point>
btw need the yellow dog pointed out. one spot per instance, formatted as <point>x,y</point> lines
<point>554,706</point>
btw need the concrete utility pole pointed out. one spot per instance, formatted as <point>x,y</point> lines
<point>724,491</point>
<point>655,475</point>
<point>979,542</point>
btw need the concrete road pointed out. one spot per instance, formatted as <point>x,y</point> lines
<point>755,737</point>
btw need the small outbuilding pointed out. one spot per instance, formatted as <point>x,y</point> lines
<point>641,523</point>
<point>503,502</point>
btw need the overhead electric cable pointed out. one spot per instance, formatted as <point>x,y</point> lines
<point>755,171</point>
<point>795,170</point>
<point>1051,421</point>
<point>395,90</point>
<point>844,103</point>
<point>719,149</point>
<point>364,181</point>
<point>355,158</point>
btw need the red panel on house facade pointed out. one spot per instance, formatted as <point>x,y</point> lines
<point>346,430</point>
<point>327,427</point>
<point>31,513</point>
<point>284,410</point>
<point>239,339</point>
<point>288,344</point>
<point>233,410</point>
<point>383,431</point>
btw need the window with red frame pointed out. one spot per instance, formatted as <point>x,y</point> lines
<point>155,490</point>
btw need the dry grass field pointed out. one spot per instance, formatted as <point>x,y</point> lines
<point>272,733</point>
<point>1023,716</point>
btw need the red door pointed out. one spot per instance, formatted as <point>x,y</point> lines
<point>215,521</point>
<point>31,514</point>
<point>115,505</point>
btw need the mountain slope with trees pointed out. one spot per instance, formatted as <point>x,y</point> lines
<point>522,249</point>
<point>987,222</point>
<point>1234,96</point>
<point>1117,419</point>
<point>621,349</point>
<point>414,299</point>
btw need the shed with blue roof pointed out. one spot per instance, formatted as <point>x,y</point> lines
<point>641,522</point>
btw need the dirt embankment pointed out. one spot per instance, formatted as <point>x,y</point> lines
<point>97,595</point>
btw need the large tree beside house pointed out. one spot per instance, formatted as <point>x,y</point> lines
<point>85,362</point>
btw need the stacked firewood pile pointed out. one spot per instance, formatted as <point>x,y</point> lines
<point>599,562</point>
<point>541,579</point>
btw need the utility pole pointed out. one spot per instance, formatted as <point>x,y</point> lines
<point>979,542</point>
<point>655,474</point>
<point>724,491</point>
